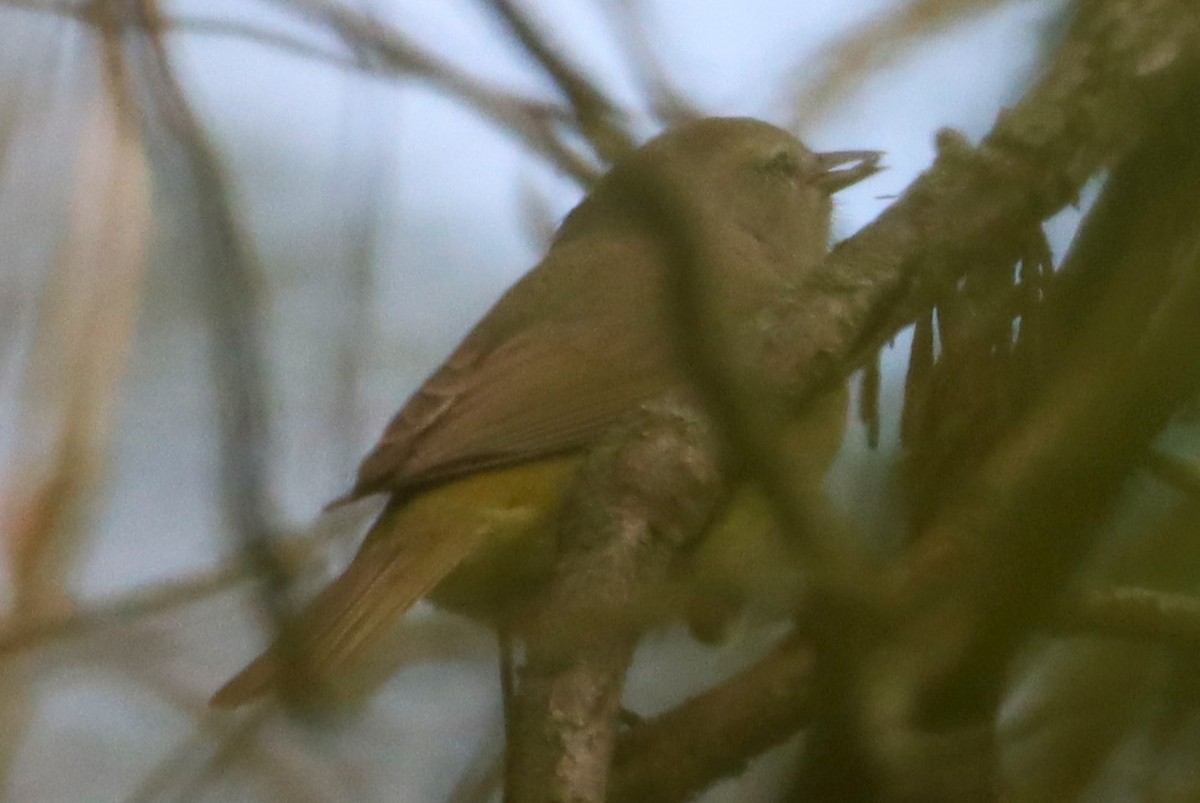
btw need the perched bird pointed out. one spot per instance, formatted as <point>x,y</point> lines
<point>476,463</point>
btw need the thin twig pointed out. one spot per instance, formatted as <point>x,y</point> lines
<point>358,230</point>
<point>234,739</point>
<point>238,350</point>
<point>379,45</point>
<point>79,357</point>
<point>595,114</point>
<point>667,102</point>
<point>884,38</point>
<point>200,26</point>
<point>151,600</point>
<point>380,50</point>
<point>27,634</point>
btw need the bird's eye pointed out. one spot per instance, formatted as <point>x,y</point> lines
<point>782,162</point>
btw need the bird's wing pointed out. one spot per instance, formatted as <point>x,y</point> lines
<point>516,390</point>
<point>541,392</point>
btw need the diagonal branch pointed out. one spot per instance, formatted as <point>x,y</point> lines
<point>595,114</point>
<point>1019,528</point>
<point>678,754</point>
<point>668,104</point>
<point>1119,64</point>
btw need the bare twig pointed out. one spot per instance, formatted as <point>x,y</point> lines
<point>258,35</point>
<point>595,114</point>
<point>28,634</point>
<point>358,232</point>
<point>379,50</point>
<point>87,329</point>
<point>159,598</point>
<point>81,10</point>
<point>233,737</point>
<point>668,103</point>
<point>532,122</point>
<point>200,26</point>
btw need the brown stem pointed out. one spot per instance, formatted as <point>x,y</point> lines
<point>676,755</point>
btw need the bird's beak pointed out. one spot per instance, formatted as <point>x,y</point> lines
<point>863,164</point>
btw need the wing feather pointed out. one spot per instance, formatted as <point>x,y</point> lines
<point>518,389</point>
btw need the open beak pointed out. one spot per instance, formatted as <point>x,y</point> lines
<point>863,164</point>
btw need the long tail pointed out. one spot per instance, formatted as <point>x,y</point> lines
<point>343,634</point>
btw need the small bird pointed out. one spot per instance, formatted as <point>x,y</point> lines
<point>477,462</point>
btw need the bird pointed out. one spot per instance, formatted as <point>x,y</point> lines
<point>477,462</point>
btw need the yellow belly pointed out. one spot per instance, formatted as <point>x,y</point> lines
<point>517,510</point>
<point>742,559</point>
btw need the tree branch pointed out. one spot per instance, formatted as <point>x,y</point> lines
<point>711,736</point>
<point>644,493</point>
<point>1005,548</point>
<point>1118,65</point>
<point>595,114</point>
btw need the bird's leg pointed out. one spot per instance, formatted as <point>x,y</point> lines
<point>508,687</point>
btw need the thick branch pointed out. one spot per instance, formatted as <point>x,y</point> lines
<point>1010,543</point>
<point>643,495</point>
<point>1119,62</point>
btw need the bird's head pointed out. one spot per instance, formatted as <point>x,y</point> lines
<point>752,181</point>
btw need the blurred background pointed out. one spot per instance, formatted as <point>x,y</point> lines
<point>176,369</point>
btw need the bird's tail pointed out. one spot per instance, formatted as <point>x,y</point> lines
<point>342,636</point>
<point>343,641</point>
